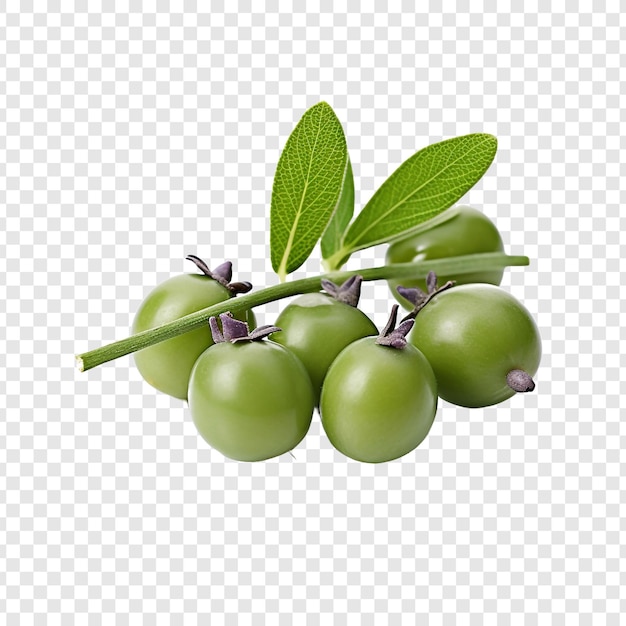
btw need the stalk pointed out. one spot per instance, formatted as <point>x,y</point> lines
<point>450,266</point>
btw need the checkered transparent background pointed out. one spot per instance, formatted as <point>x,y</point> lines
<point>134,134</point>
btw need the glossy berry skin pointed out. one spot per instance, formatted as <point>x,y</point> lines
<point>378,403</point>
<point>251,401</point>
<point>473,336</point>
<point>167,365</point>
<point>468,232</point>
<point>316,328</point>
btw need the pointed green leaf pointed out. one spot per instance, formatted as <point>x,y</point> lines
<point>307,187</point>
<point>426,184</point>
<point>331,240</point>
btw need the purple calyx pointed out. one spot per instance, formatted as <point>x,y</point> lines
<point>222,274</point>
<point>395,337</point>
<point>234,330</point>
<point>418,298</point>
<point>348,293</point>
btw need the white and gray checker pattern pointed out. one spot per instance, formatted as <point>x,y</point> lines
<point>132,134</point>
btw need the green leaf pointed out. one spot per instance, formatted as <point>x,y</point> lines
<point>331,240</point>
<point>426,184</point>
<point>307,187</point>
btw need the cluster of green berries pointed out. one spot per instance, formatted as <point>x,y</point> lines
<point>252,391</point>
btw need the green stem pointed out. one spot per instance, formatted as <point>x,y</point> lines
<point>334,262</point>
<point>337,260</point>
<point>453,265</point>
